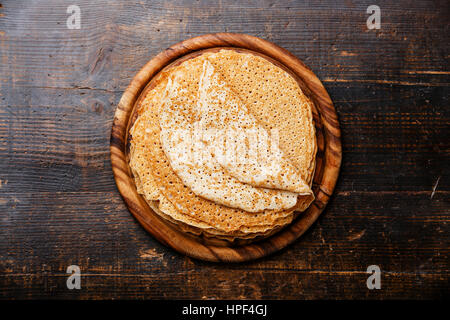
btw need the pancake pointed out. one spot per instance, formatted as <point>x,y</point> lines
<point>274,97</point>
<point>210,235</point>
<point>271,169</point>
<point>271,97</point>
<point>151,160</point>
<point>213,177</point>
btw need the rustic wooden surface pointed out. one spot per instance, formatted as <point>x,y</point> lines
<point>59,204</point>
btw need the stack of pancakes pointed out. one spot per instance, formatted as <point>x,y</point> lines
<point>223,147</point>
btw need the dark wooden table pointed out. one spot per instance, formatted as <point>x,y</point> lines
<point>59,204</point>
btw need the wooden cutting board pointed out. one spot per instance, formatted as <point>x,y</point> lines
<point>328,158</point>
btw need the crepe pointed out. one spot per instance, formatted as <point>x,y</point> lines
<point>237,183</point>
<point>151,160</point>
<point>270,170</point>
<point>274,97</point>
<point>251,80</point>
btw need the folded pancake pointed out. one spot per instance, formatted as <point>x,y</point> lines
<point>149,159</point>
<point>223,110</point>
<point>165,209</point>
<point>192,158</point>
<point>272,96</point>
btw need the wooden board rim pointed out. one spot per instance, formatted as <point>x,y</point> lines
<point>324,180</point>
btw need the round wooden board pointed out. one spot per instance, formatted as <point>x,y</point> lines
<point>328,158</point>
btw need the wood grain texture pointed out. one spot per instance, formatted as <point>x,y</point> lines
<point>59,204</point>
<point>328,159</point>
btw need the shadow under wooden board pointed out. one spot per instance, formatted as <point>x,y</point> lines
<point>328,158</point>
